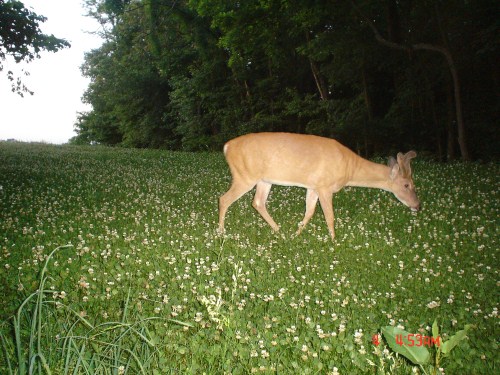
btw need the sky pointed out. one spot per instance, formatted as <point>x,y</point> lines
<point>50,114</point>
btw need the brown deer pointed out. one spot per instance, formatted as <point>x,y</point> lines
<point>321,165</point>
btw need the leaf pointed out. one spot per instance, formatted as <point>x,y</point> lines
<point>181,323</point>
<point>447,346</point>
<point>417,354</point>
<point>182,350</point>
<point>435,329</point>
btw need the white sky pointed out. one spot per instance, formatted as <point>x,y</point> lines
<point>50,114</point>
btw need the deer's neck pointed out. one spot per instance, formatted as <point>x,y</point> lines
<point>370,174</point>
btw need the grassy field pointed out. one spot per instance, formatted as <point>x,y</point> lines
<point>147,285</point>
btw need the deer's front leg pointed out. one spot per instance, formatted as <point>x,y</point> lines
<point>326,201</point>
<point>311,200</point>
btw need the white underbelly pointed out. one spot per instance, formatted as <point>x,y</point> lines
<point>285,183</point>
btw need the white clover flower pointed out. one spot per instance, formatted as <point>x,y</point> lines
<point>433,304</point>
<point>83,284</point>
<point>358,335</point>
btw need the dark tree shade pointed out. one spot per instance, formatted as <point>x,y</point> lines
<point>380,77</point>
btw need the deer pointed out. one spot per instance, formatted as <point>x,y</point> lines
<point>321,165</point>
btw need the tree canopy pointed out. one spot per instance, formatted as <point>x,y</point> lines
<point>21,38</point>
<point>378,76</point>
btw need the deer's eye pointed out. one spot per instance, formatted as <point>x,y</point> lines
<point>407,186</point>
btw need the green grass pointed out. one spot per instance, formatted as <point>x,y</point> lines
<point>148,285</point>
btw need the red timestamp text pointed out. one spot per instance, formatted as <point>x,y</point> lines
<point>417,340</point>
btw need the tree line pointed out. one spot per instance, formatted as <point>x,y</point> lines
<point>379,76</point>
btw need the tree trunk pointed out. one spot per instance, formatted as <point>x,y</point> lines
<point>456,86</point>
<point>453,70</point>
<point>393,22</point>
<point>318,78</point>
<point>450,153</point>
<point>369,107</point>
<point>320,82</point>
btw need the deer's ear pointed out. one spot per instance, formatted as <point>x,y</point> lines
<point>401,158</point>
<point>404,162</point>
<point>410,155</point>
<point>391,162</point>
<point>394,171</point>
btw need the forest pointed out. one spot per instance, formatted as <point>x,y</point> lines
<point>379,76</point>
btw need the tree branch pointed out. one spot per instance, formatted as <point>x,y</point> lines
<point>451,65</point>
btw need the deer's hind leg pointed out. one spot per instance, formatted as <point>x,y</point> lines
<point>259,203</point>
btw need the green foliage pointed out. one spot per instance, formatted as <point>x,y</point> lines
<point>448,345</point>
<point>21,38</point>
<point>149,284</point>
<point>193,74</point>
<point>405,344</point>
<point>419,355</point>
<point>125,345</point>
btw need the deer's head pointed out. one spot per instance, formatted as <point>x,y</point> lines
<point>402,182</point>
